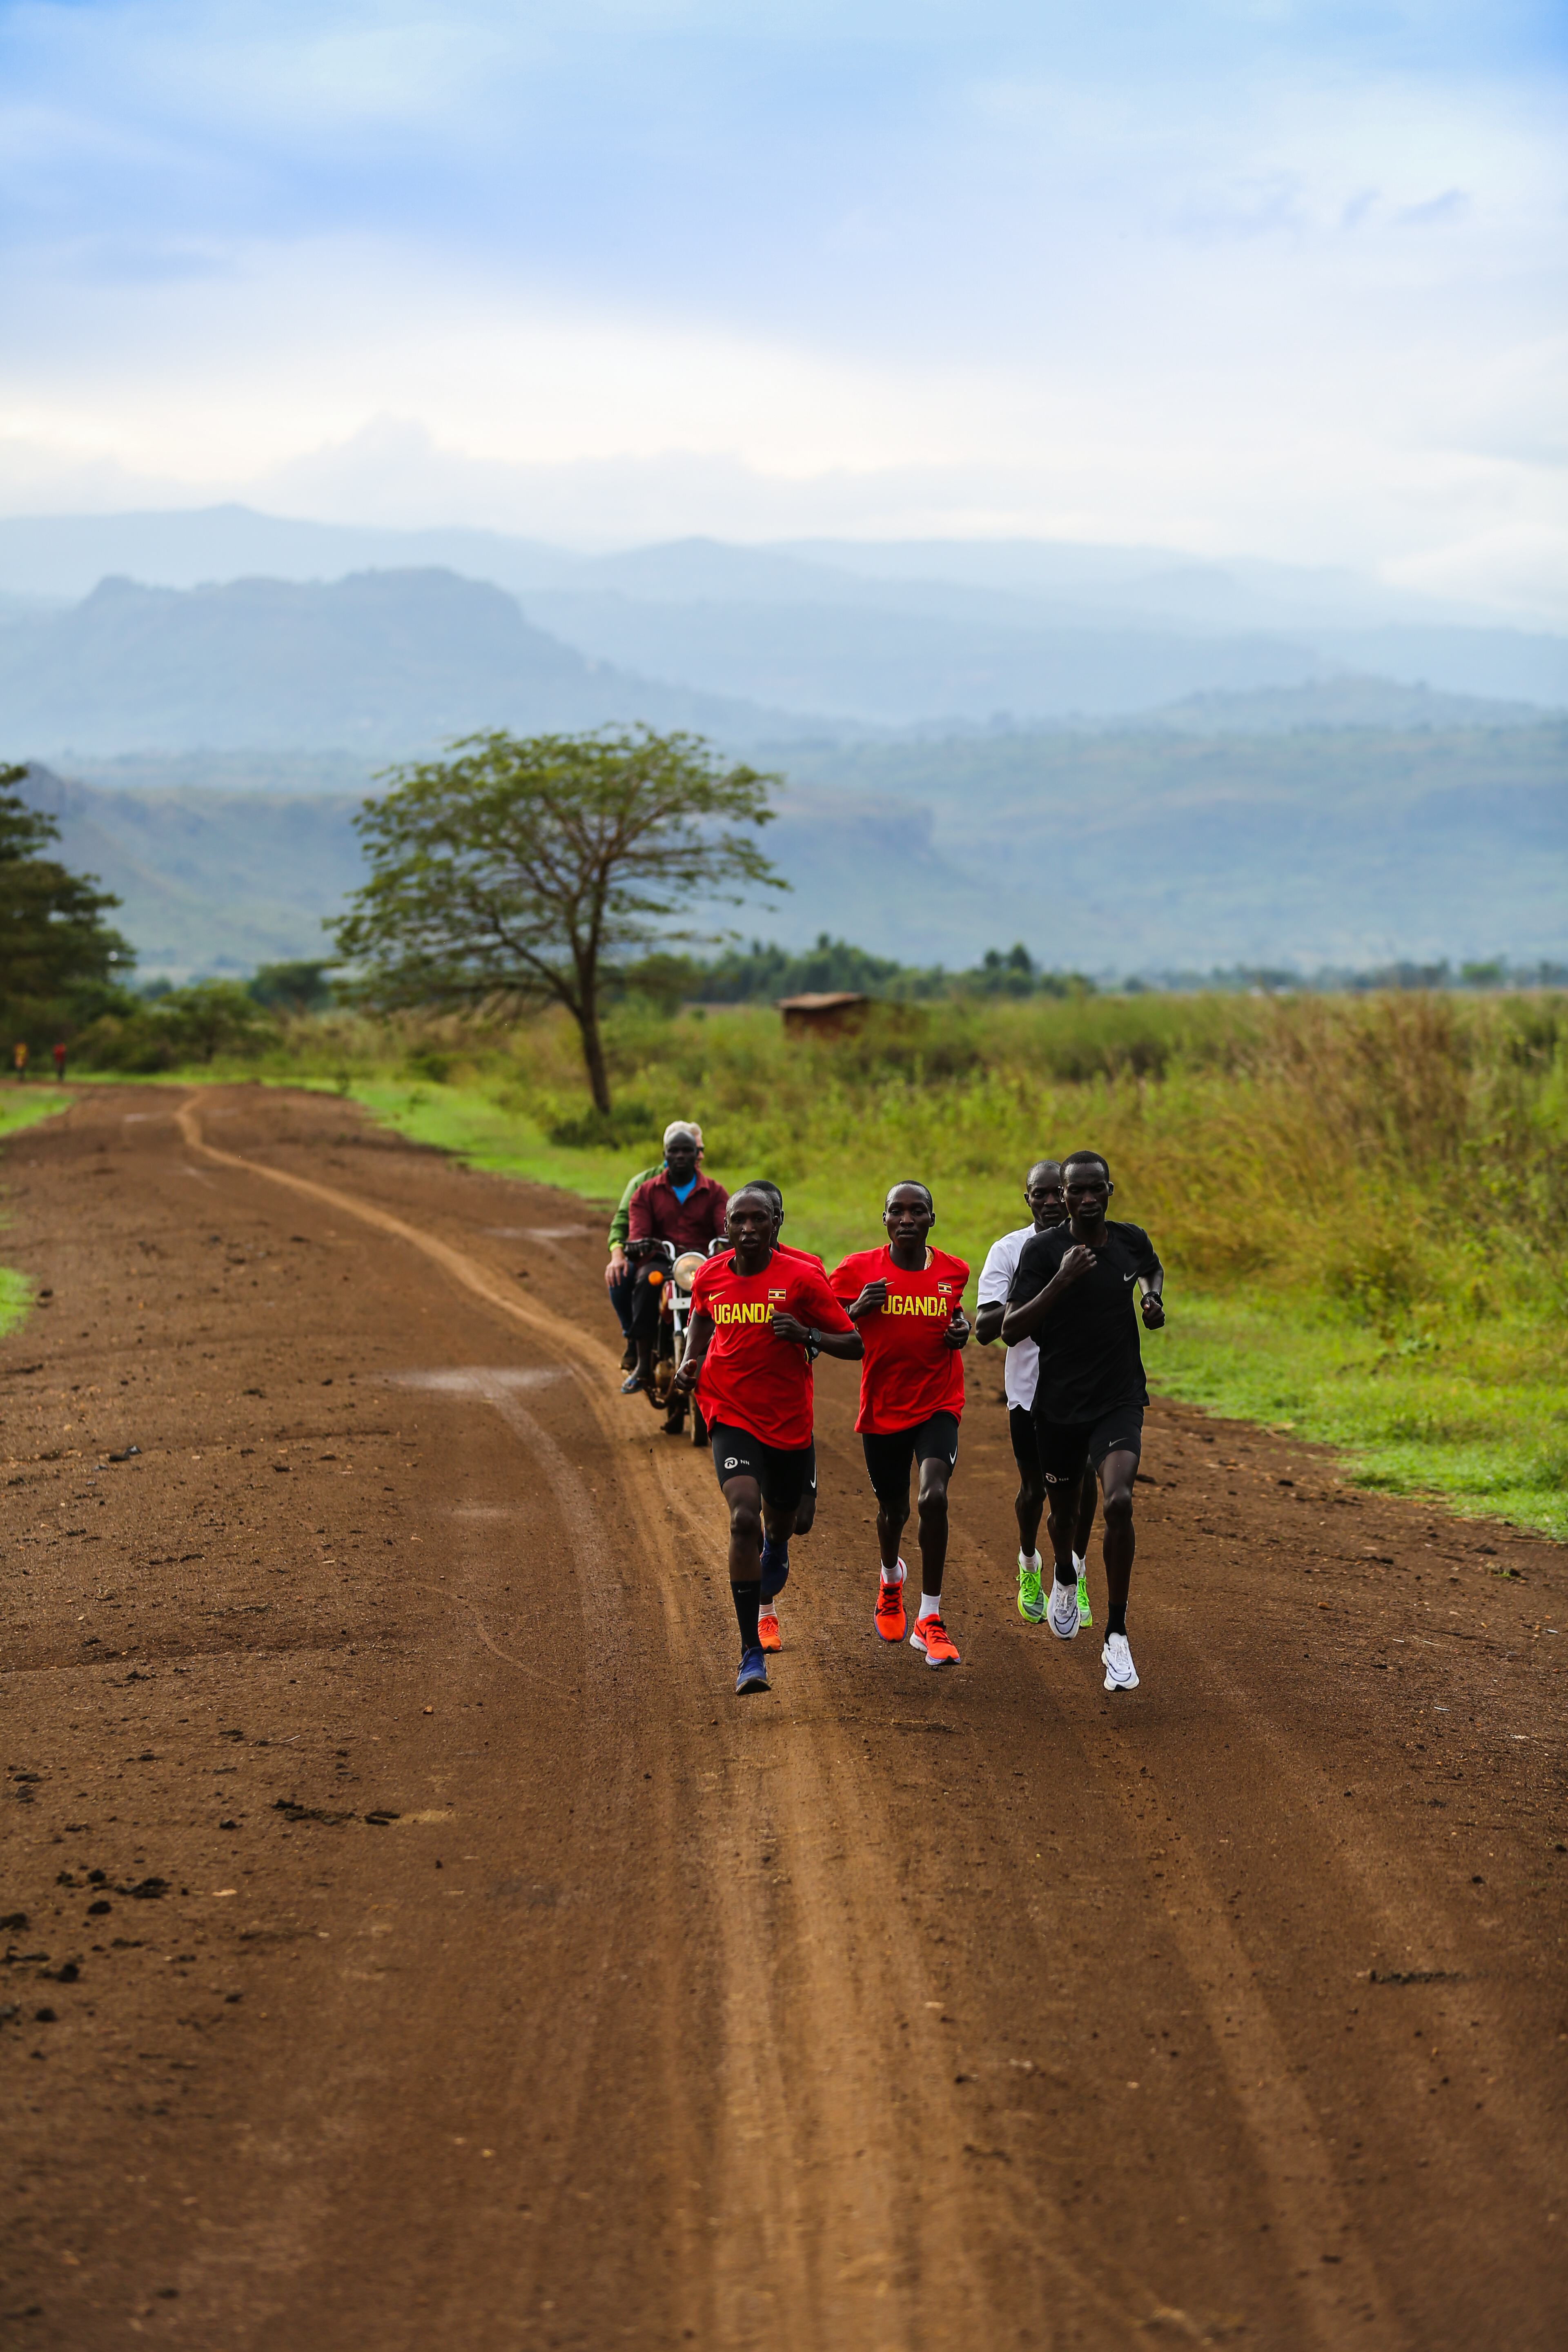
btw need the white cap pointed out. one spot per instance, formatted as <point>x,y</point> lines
<point>685,1127</point>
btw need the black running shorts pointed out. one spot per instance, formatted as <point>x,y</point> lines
<point>1066,1445</point>
<point>1025,1445</point>
<point>781,1472</point>
<point>887,1458</point>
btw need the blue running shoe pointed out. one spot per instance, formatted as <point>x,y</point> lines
<point>753,1674</point>
<point>775,1568</point>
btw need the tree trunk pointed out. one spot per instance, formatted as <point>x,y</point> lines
<point>593,1052</point>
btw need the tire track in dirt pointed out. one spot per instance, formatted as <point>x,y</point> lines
<point>784,2092</point>
<point>599,1594</point>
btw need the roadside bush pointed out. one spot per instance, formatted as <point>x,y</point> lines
<point>198,1024</point>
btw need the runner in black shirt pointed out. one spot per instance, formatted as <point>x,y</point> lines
<point>1073,1295</point>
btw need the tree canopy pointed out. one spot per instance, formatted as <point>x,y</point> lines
<point>55,945</point>
<point>525,867</point>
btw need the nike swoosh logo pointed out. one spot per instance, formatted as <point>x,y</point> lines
<point>1129,1277</point>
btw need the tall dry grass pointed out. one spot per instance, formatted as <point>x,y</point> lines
<point>1390,1156</point>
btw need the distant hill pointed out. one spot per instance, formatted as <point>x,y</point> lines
<point>211,881</point>
<point>1337,702</point>
<point>1159,848</point>
<point>849,636</point>
<point>1117,850</point>
<point>390,663</point>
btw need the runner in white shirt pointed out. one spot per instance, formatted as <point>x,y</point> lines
<point>1047,1207</point>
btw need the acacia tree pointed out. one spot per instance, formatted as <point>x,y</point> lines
<point>525,867</point>
<point>54,941</point>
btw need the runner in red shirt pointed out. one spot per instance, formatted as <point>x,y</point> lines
<point>905,1299</point>
<point>775,1554</point>
<point>758,1318</point>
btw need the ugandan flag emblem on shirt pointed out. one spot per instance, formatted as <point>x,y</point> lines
<point>777,1294</point>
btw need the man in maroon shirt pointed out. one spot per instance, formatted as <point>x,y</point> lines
<point>679,1207</point>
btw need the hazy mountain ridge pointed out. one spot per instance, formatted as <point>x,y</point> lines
<point>1143,849</point>
<point>389,664</point>
<point>739,641</point>
<point>392,663</point>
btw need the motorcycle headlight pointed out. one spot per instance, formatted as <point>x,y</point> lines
<point>686,1267</point>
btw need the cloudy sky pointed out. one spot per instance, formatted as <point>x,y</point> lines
<point>1231,275</point>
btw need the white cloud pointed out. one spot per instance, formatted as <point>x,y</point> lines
<point>1228,281</point>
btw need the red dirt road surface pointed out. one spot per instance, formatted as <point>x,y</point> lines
<point>410,1941</point>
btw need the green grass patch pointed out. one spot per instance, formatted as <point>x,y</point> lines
<point>1480,1421</point>
<point>20,1106</point>
<point>471,1123</point>
<point>25,1105</point>
<point>16,1300</point>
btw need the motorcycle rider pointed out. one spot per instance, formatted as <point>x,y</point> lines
<point>677,1205</point>
<point>617,1271</point>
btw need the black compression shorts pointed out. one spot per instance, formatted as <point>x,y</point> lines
<point>887,1458</point>
<point>1026,1446</point>
<point>781,1472</point>
<point>1066,1445</point>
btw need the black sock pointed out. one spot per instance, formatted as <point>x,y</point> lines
<point>747,1599</point>
<point>1115,1619</point>
<point>1068,1575</point>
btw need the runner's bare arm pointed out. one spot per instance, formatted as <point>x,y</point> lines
<point>1152,1301</point>
<point>871,1301</point>
<point>1024,1319</point>
<point>988,1322</point>
<point>847,1344</point>
<point>699,1334</point>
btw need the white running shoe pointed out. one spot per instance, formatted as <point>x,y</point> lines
<point>1121,1674</point>
<point>1061,1613</point>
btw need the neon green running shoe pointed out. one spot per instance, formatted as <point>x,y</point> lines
<point>1031,1599</point>
<point>1085,1614</point>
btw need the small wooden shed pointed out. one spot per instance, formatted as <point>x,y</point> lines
<point>828,1013</point>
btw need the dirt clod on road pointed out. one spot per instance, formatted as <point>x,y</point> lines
<point>408,1940</point>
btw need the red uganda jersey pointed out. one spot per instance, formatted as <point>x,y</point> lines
<point>908,1371</point>
<point>750,1380</point>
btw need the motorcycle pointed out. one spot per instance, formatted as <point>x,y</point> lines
<point>672,1277</point>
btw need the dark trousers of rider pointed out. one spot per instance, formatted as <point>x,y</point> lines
<point>646,1299</point>
<point>620,1295</point>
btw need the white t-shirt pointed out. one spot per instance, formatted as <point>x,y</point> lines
<point>1023,1366</point>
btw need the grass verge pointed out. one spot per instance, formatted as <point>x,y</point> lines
<point>22,1107</point>
<point>1481,1424</point>
<point>25,1105</point>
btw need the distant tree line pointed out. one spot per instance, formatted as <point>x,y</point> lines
<point>763,973</point>
<point>60,960</point>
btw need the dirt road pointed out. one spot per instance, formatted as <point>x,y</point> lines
<point>411,1942</point>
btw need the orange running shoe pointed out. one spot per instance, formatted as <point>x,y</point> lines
<point>768,1633</point>
<point>890,1618</point>
<point>932,1636</point>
